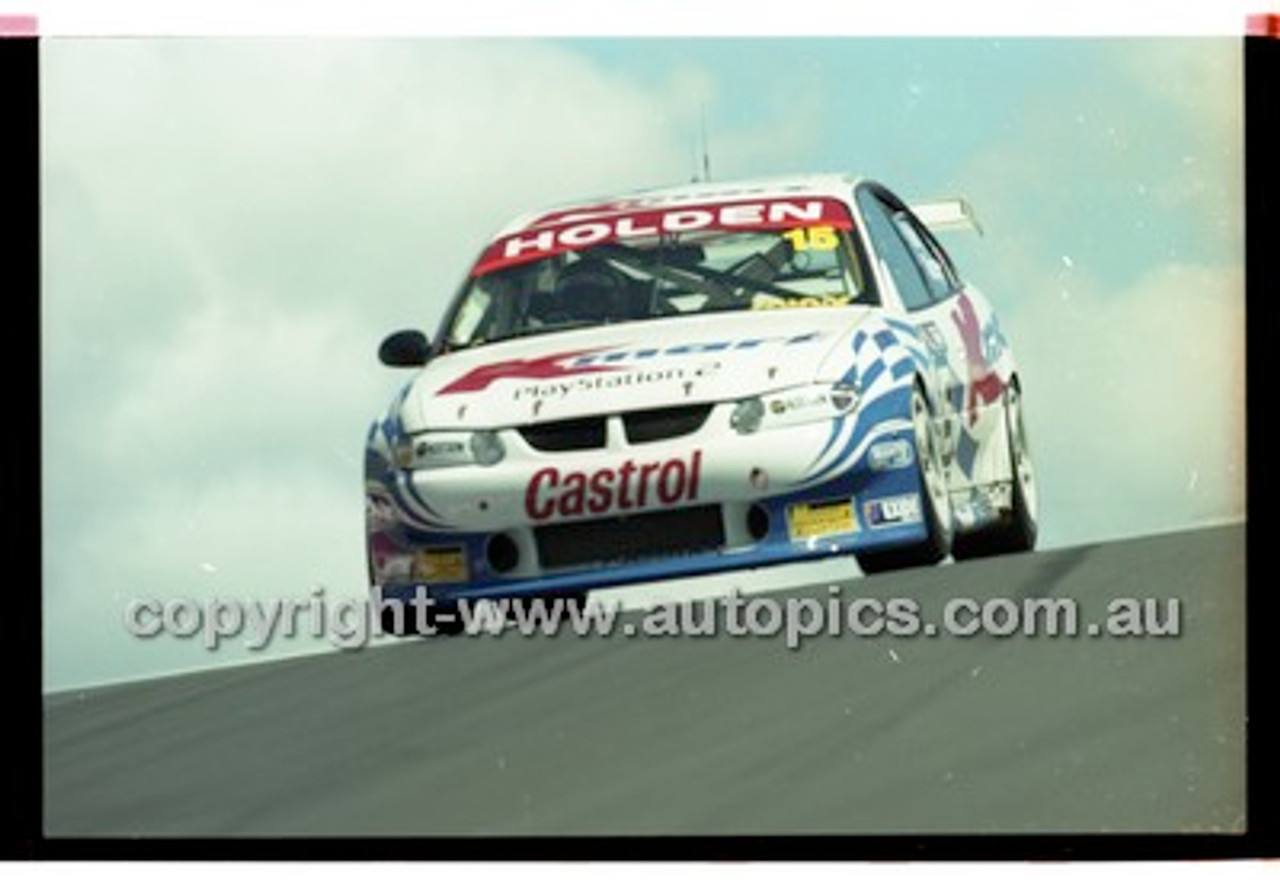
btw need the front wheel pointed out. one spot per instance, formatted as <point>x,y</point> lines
<point>936,503</point>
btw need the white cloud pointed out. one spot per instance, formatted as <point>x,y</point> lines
<point>1136,402</point>
<point>278,154</point>
<point>274,387</point>
<point>229,229</point>
<point>1205,86</point>
<point>226,466</point>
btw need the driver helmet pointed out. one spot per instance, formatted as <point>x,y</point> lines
<point>593,290</point>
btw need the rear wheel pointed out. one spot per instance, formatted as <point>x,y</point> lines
<point>936,504</point>
<point>1016,529</point>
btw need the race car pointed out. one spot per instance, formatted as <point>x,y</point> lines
<point>699,379</point>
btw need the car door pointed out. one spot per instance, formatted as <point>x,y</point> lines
<point>964,325</point>
<point>922,295</point>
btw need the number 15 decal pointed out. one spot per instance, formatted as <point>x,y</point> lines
<point>821,238</point>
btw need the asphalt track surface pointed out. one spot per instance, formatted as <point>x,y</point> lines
<point>691,736</point>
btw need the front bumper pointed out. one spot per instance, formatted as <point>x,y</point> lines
<point>795,493</point>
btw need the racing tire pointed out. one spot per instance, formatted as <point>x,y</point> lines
<point>560,605</point>
<point>404,624</point>
<point>566,599</point>
<point>934,495</point>
<point>1016,531</point>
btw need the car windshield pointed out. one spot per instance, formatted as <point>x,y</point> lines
<point>639,268</point>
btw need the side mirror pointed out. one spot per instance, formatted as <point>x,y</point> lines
<point>405,348</point>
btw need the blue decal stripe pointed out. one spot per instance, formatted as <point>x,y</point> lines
<point>413,490</point>
<point>868,416</point>
<point>390,429</point>
<point>837,426</point>
<point>920,358</point>
<point>909,329</point>
<point>391,423</point>
<point>966,450</point>
<point>884,339</point>
<point>858,339</point>
<point>375,465</point>
<point>408,511</point>
<point>906,367</point>
<point>871,374</point>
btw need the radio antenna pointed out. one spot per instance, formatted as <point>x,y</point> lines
<point>706,149</point>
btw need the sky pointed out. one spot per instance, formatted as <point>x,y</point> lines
<point>231,225</point>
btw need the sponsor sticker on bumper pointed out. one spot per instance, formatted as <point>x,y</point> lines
<point>895,454</point>
<point>892,511</point>
<point>440,565</point>
<point>806,521</point>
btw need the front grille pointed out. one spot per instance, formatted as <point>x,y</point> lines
<point>584,433</point>
<point>566,435</point>
<point>645,536</point>
<point>664,423</point>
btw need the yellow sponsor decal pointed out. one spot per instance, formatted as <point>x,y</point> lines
<point>766,303</point>
<point>806,521</point>
<point>440,565</point>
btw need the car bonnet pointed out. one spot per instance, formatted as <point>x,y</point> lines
<point>652,364</point>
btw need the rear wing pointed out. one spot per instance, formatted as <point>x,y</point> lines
<point>946,214</point>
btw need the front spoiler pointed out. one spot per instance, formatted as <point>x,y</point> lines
<point>776,548</point>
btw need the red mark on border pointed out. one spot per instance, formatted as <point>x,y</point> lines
<point>19,26</point>
<point>1262,24</point>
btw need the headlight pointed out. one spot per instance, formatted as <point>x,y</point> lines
<point>747,415</point>
<point>792,407</point>
<point>434,450</point>
<point>843,397</point>
<point>486,448</point>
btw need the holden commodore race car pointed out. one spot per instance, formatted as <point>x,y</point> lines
<point>700,379</point>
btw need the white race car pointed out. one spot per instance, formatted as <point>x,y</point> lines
<point>699,379</point>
